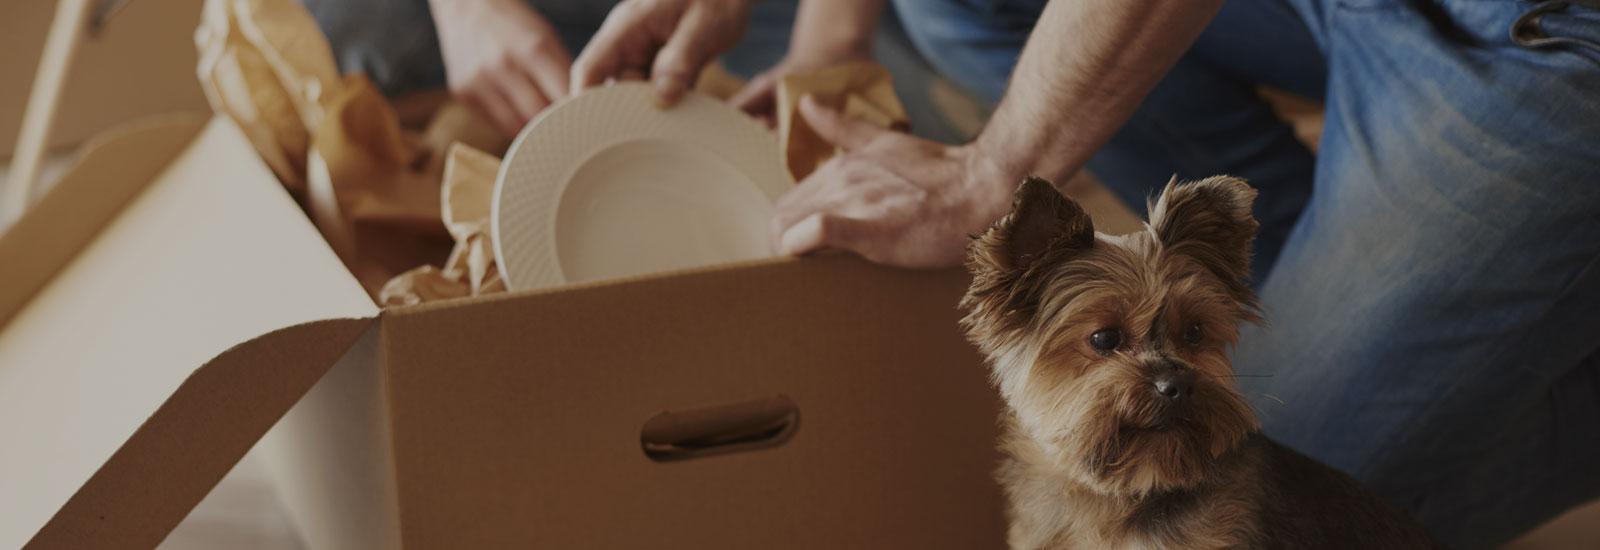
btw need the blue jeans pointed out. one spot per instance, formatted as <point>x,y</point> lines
<point>394,43</point>
<point>1431,277</point>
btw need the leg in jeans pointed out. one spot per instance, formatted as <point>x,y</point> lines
<point>1435,316</point>
<point>1204,118</point>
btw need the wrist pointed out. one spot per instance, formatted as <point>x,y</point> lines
<point>1029,150</point>
<point>827,32</point>
<point>1000,160</point>
<point>991,181</point>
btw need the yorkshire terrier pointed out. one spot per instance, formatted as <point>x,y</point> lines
<point>1123,427</point>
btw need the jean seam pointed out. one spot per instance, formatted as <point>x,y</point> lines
<point>1529,20</point>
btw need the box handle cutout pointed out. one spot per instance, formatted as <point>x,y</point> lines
<point>744,426</point>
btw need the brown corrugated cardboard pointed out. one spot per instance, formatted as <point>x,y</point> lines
<point>199,259</point>
<point>95,189</point>
<point>331,457</point>
<point>508,420</point>
<point>518,419</point>
<point>148,57</point>
<point>197,435</point>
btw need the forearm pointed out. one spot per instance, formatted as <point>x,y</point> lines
<point>1086,67</point>
<point>835,28</point>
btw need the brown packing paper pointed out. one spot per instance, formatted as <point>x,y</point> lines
<point>862,89</point>
<point>469,178</point>
<point>468,195</point>
<point>717,82</point>
<point>265,64</point>
<point>373,191</point>
<point>368,175</point>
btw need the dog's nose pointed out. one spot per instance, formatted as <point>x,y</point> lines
<point>1174,385</point>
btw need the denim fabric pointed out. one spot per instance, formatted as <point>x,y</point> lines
<point>394,43</point>
<point>1431,278</point>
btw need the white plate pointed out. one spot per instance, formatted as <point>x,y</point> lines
<point>607,185</point>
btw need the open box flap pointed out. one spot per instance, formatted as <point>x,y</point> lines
<point>195,438</point>
<point>209,253</point>
<point>144,50</point>
<point>112,170</point>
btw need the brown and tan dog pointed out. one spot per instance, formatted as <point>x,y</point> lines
<point>1124,427</point>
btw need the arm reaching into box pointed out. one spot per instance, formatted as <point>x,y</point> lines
<point>900,200</point>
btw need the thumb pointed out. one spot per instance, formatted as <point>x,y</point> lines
<point>822,231</point>
<point>680,60</point>
<point>836,128</point>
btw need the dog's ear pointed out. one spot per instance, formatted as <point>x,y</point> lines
<point>1210,221</point>
<point>1042,224</point>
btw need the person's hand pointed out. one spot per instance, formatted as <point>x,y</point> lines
<point>500,58</point>
<point>892,198</point>
<point>759,97</point>
<point>668,41</point>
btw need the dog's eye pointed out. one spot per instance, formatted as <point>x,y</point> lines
<point>1106,340</point>
<point>1193,335</point>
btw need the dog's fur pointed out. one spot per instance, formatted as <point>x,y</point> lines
<point>1099,457</point>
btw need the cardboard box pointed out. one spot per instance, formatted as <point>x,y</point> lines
<point>815,403</point>
<point>148,57</point>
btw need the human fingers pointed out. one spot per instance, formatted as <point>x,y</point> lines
<point>609,52</point>
<point>837,128</point>
<point>492,105</point>
<point>808,197</point>
<point>823,231</point>
<point>678,63</point>
<point>550,68</point>
<point>522,94</point>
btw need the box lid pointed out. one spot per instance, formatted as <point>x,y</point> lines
<point>102,411</point>
<point>144,50</point>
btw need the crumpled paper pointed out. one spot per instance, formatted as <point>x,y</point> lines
<point>862,89</point>
<point>373,188</point>
<point>395,186</point>
<point>266,64</point>
<point>367,172</point>
<point>467,194</point>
